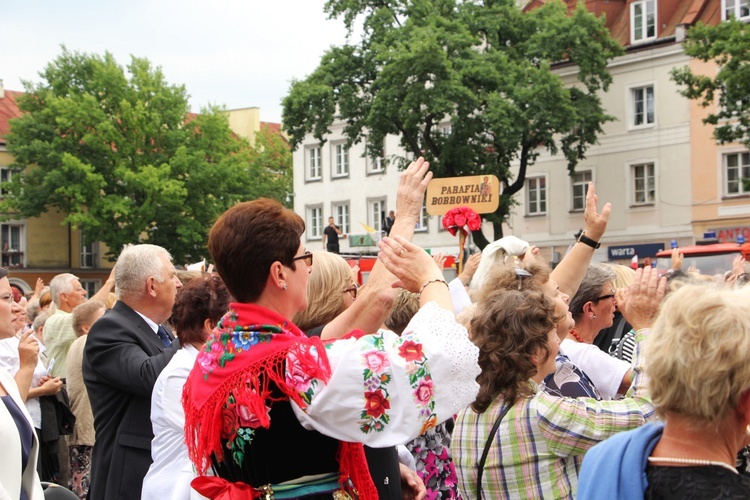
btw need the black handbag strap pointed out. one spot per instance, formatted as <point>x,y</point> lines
<point>480,464</point>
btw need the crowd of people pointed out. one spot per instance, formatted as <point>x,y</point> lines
<point>280,376</point>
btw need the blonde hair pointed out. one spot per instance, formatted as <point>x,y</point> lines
<point>698,350</point>
<point>405,307</point>
<point>330,276</point>
<point>624,275</point>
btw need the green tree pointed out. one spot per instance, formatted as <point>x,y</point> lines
<point>728,45</point>
<point>120,155</point>
<point>487,67</point>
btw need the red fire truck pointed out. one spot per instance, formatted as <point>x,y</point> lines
<point>708,256</point>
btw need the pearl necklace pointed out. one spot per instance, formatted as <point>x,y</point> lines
<point>690,461</point>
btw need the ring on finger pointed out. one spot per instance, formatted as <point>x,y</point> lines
<point>401,252</point>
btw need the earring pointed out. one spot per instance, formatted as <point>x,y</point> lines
<point>284,287</point>
<point>594,316</point>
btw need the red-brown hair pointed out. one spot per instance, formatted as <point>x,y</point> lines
<point>247,239</point>
<point>201,299</point>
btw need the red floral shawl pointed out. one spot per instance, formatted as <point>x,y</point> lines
<point>225,396</point>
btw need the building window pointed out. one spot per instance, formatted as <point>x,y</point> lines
<point>89,253</point>
<point>536,196</point>
<point>341,216</point>
<point>91,286</point>
<point>377,165</point>
<point>376,213</point>
<point>740,9</point>
<point>446,130</point>
<point>315,223</point>
<point>313,163</point>
<point>642,21</point>
<point>5,176</point>
<point>13,244</point>
<point>643,105</point>
<point>580,187</point>
<point>424,219</point>
<point>737,173</point>
<point>340,160</point>
<point>644,183</point>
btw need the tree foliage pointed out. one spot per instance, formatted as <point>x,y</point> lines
<point>485,67</point>
<point>120,155</point>
<point>728,45</point>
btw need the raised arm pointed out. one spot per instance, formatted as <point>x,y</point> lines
<point>570,271</point>
<point>376,298</point>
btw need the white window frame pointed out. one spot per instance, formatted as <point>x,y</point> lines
<point>13,257</point>
<point>645,176</point>
<point>377,165</point>
<point>313,163</point>
<point>340,163</point>
<point>734,7</point>
<point>422,225</point>
<point>91,286</point>
<point>314,222</point>
<point>536,210</point>
<point>576,182</point>
<point>90,251</point>
<point>341,215</point>
<point>642,35</point>
<point>373,205</point>
<point>634,97</point>
<point>725,172</point>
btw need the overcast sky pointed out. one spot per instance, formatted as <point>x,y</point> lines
<point>236,53</point>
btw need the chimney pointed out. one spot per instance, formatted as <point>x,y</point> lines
<point>2,89</point>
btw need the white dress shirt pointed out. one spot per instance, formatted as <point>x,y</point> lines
<point>170,475</point>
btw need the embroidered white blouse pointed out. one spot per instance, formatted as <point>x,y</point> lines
<point>384,389</point>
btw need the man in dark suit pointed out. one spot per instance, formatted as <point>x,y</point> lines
<point>125,351</point>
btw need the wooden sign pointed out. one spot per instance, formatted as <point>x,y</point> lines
<point>478,192</point>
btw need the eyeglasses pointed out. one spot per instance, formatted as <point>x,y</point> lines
<point>8,297</point>
<point>307,257</point>
<point>521,274</point>
<point>353,290</point>
<point>605,297</point>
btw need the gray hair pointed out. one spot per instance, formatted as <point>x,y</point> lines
<point>32,309</point>
<point>40,319</point>
<point>591,287</point>
<point>135,265</point>
<point>62,283</point>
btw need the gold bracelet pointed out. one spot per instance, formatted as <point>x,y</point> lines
<point>436,280</point>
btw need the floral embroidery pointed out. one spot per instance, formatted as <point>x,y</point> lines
<point>221,348</point>
<point>419,379</point>
<point>374,417</point>
<point>237,424</point>
<point>298,376</point>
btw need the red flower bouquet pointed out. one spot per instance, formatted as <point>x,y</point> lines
<point>456,219</point>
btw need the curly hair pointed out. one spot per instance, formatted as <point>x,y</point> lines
<point>509,328</point>
<point>204,298</point>
<point>506,277</point>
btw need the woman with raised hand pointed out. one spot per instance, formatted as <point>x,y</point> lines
<point>699,381</point>
<point>260,386</point>
<point>516,440</point>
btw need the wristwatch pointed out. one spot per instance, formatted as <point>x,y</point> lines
<point>588,241</point>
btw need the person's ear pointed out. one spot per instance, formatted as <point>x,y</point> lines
<point>277,276</point>
<point>151,286</point>
<point>588,308</point>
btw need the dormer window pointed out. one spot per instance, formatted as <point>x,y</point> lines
<point>643,21</point>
